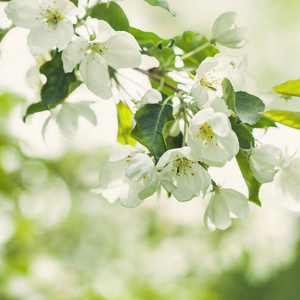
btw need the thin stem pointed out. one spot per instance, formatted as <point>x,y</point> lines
<point>195,51</point>
<point>157,79</point>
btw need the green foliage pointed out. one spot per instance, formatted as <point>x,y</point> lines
<point>124,124</point>
<point>264,122</point>
<point>113,14</point>
<point>288,118</point>
<point>172,141</point>
<point>150,121</point>
<point>252,184</point>
<point>3,32</point>
<point>75,2</point>
<point>289,88</point>
<point>34,108</point>
<point>161,3</point>
<point>146,40</point>
<point>189,41</point>
<point>56,88</point>
<point>244,134</point>
<point>248,108</point>
<point>228,94</point>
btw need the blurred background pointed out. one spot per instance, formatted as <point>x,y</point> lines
<point>60,241</point>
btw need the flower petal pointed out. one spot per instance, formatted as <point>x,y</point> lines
<point>220,124</point>
<point>237,202</point>
<point>200,94</point>
<point>123,51</point>
<point>126,151</point>
<point>129,194</point>
<point>73,54</point>
<point>234,38</point>
<point>64,32</point>
<point>223,23</point>
<point>105,31</point>
<point>95,75</point>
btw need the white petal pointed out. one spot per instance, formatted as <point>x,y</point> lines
<point>64,32</point>
<point>202,116</point>
<point>220,124</point>
<point>200,94</point>
<point>113,174</point>
<point>123,152</point>
<point>123,51</point>
<point>150,184</point>
<point>83,109</point>
<point>66,8</point>
<point>217,212</point>
<point>223,23</point>
<point>174,154</point>
<point>67,120</point>
<point>129,194</point>
<point>233,38</point>
<point>104,31</point>
<point>73,54</point>
<point>25,14</point>
<point>95,75</point>
<point>237,202</point>
<point>151,96</point>
<point>207,65</point>
<point>219,105</point>
<point>41,39</point>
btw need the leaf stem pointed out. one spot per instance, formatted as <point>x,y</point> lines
<point>195,51</point>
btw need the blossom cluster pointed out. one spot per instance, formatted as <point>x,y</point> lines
<point>206,111</point>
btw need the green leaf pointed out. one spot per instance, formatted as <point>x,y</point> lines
<point>264,122</point>
<point>244,134</point>
<point>146,40</point>
<point>150,121</point>
<point>56,88</point>
<point>165,88</point>
<point>125,124</point>
<point>248,108</point>
<point>288,118</point>
<point>113,14</point>
<point>3,32</point>
<point>252,184</point>
<point>34,108</point>
<point>290,88</point>
<point>228,94</point>
<point>161,3</point>
<point>75,2</point>
<point>189,41</point>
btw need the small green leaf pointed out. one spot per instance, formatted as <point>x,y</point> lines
<point>56,88</point>
<point>161,3</point>
<point>166,87</point>
<point>34,108</point>
<point>228,94</point>
<point>3,32</point>
<point>125,124</point>
<point>189,41</point>
<point>252,184</point>
<point>264,122</point>
<point>288,118</point>
<point>113,14</point>
<point>146,40</point>
<point>289,88</point>
<point>245,137</point>
<point>248,108</point>
<point>150,121</point>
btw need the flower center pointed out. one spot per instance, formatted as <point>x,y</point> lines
<point>98,48</point>
<point>52,16</point>
<point>210,81</point>
<point>206,133</point>
<point>183,166</point>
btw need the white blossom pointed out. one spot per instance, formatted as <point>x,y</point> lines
<point>49,22</point>
<point>264,161</point>
<point>287,183</point>
<point>152,96</point>
<point>224,205</point>
<point>211,72</point>
<point>133,174</point>
<point>117,49</point>
<point>211,137</point>
<point>225,32</point>
<point>182,175</point>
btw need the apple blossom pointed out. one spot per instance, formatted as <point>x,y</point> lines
<point>49,22</point>
<point>287,183</point>
<point>211,137</point>
<point>117,49</point>
<point>133,173</point>
<point>225,32</point>
<point>182,175</point>
<point>224,204</point>
<point>264,160</point>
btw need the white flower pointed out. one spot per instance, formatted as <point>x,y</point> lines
<point>263,162</point>
<point>117,49</point>
<point>211,137</point>
<point>225,32</point>
<point>224,205</point>
<point>152,96</point>
<point>49,22</point>
<point>287,183</point>
<point>132,172</point>
<point>211,72</point>
<point>181,174</point>
<point>67,114</point>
